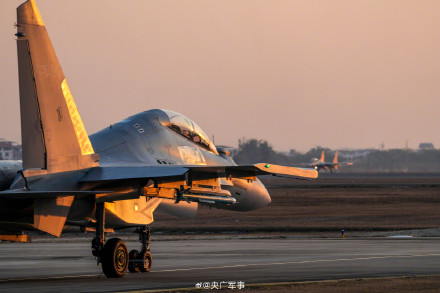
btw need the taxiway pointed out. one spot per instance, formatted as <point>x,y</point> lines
<point>69,266</point>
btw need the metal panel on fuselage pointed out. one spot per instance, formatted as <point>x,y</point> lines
<point>132,212</point>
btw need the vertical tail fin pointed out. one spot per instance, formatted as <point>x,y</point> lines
<point>335,159</point>
<point>53,135</point>
<point>322,157</point>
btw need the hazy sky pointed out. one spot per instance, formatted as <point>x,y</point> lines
<point>296,73</point>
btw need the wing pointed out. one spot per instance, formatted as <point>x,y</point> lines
<point>191,183</point>
<point>246,171</point>
<point>116,174</point>
<point>99,174</point>
<point>202,184</point>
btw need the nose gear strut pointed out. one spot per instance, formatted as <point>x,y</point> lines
<point>141,261</point>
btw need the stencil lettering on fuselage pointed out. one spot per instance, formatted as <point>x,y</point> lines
<point>191,155</point>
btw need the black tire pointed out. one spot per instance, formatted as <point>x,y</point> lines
<point>114,258</point>
<point>148,260</point>
<point>134,254</point>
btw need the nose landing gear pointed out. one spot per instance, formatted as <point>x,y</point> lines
<point>114,255</point>
<point>141,261</point>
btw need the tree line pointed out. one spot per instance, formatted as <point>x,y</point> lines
<point>393,160</point>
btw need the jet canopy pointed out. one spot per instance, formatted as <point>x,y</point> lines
<point>189,129</point>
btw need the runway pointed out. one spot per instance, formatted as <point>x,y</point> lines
<point>66,266</point>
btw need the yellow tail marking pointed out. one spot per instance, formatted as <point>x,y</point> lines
<point>38,18</point>
<point>30,14</point>
<point>81,134</point>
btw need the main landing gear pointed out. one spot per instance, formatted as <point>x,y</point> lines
<point>114,255</point>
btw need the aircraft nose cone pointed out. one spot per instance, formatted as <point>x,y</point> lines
<point>262,197</point>
<point>256,196</point>
<point>250,195</point>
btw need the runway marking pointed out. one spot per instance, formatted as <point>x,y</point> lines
<point>298,262</point>
<point>229,266</point>
<point>50,278</point>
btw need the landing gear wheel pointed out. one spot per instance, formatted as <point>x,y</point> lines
<point>148,261</point>
<point>134,254</point>
<point>114,258</point>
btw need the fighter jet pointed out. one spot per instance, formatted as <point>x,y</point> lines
<point>118,177</point>
<point>319,164</point>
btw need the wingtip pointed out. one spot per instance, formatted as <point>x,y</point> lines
<point>287,171</point>
<point>28,13</point>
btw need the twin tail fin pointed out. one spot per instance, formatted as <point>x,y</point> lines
<point>53,135</point>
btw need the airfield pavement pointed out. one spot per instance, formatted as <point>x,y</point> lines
<point>391,225</point>
<point>69,266</point>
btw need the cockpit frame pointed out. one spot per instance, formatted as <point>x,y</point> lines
<point>189,129</point>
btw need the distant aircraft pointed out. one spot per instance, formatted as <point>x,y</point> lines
<point>319,164</point>
<point>117,177</point>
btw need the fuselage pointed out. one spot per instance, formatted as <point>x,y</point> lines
<point>151,138</point>
<point>318,165</point>
<point>163,137</point>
